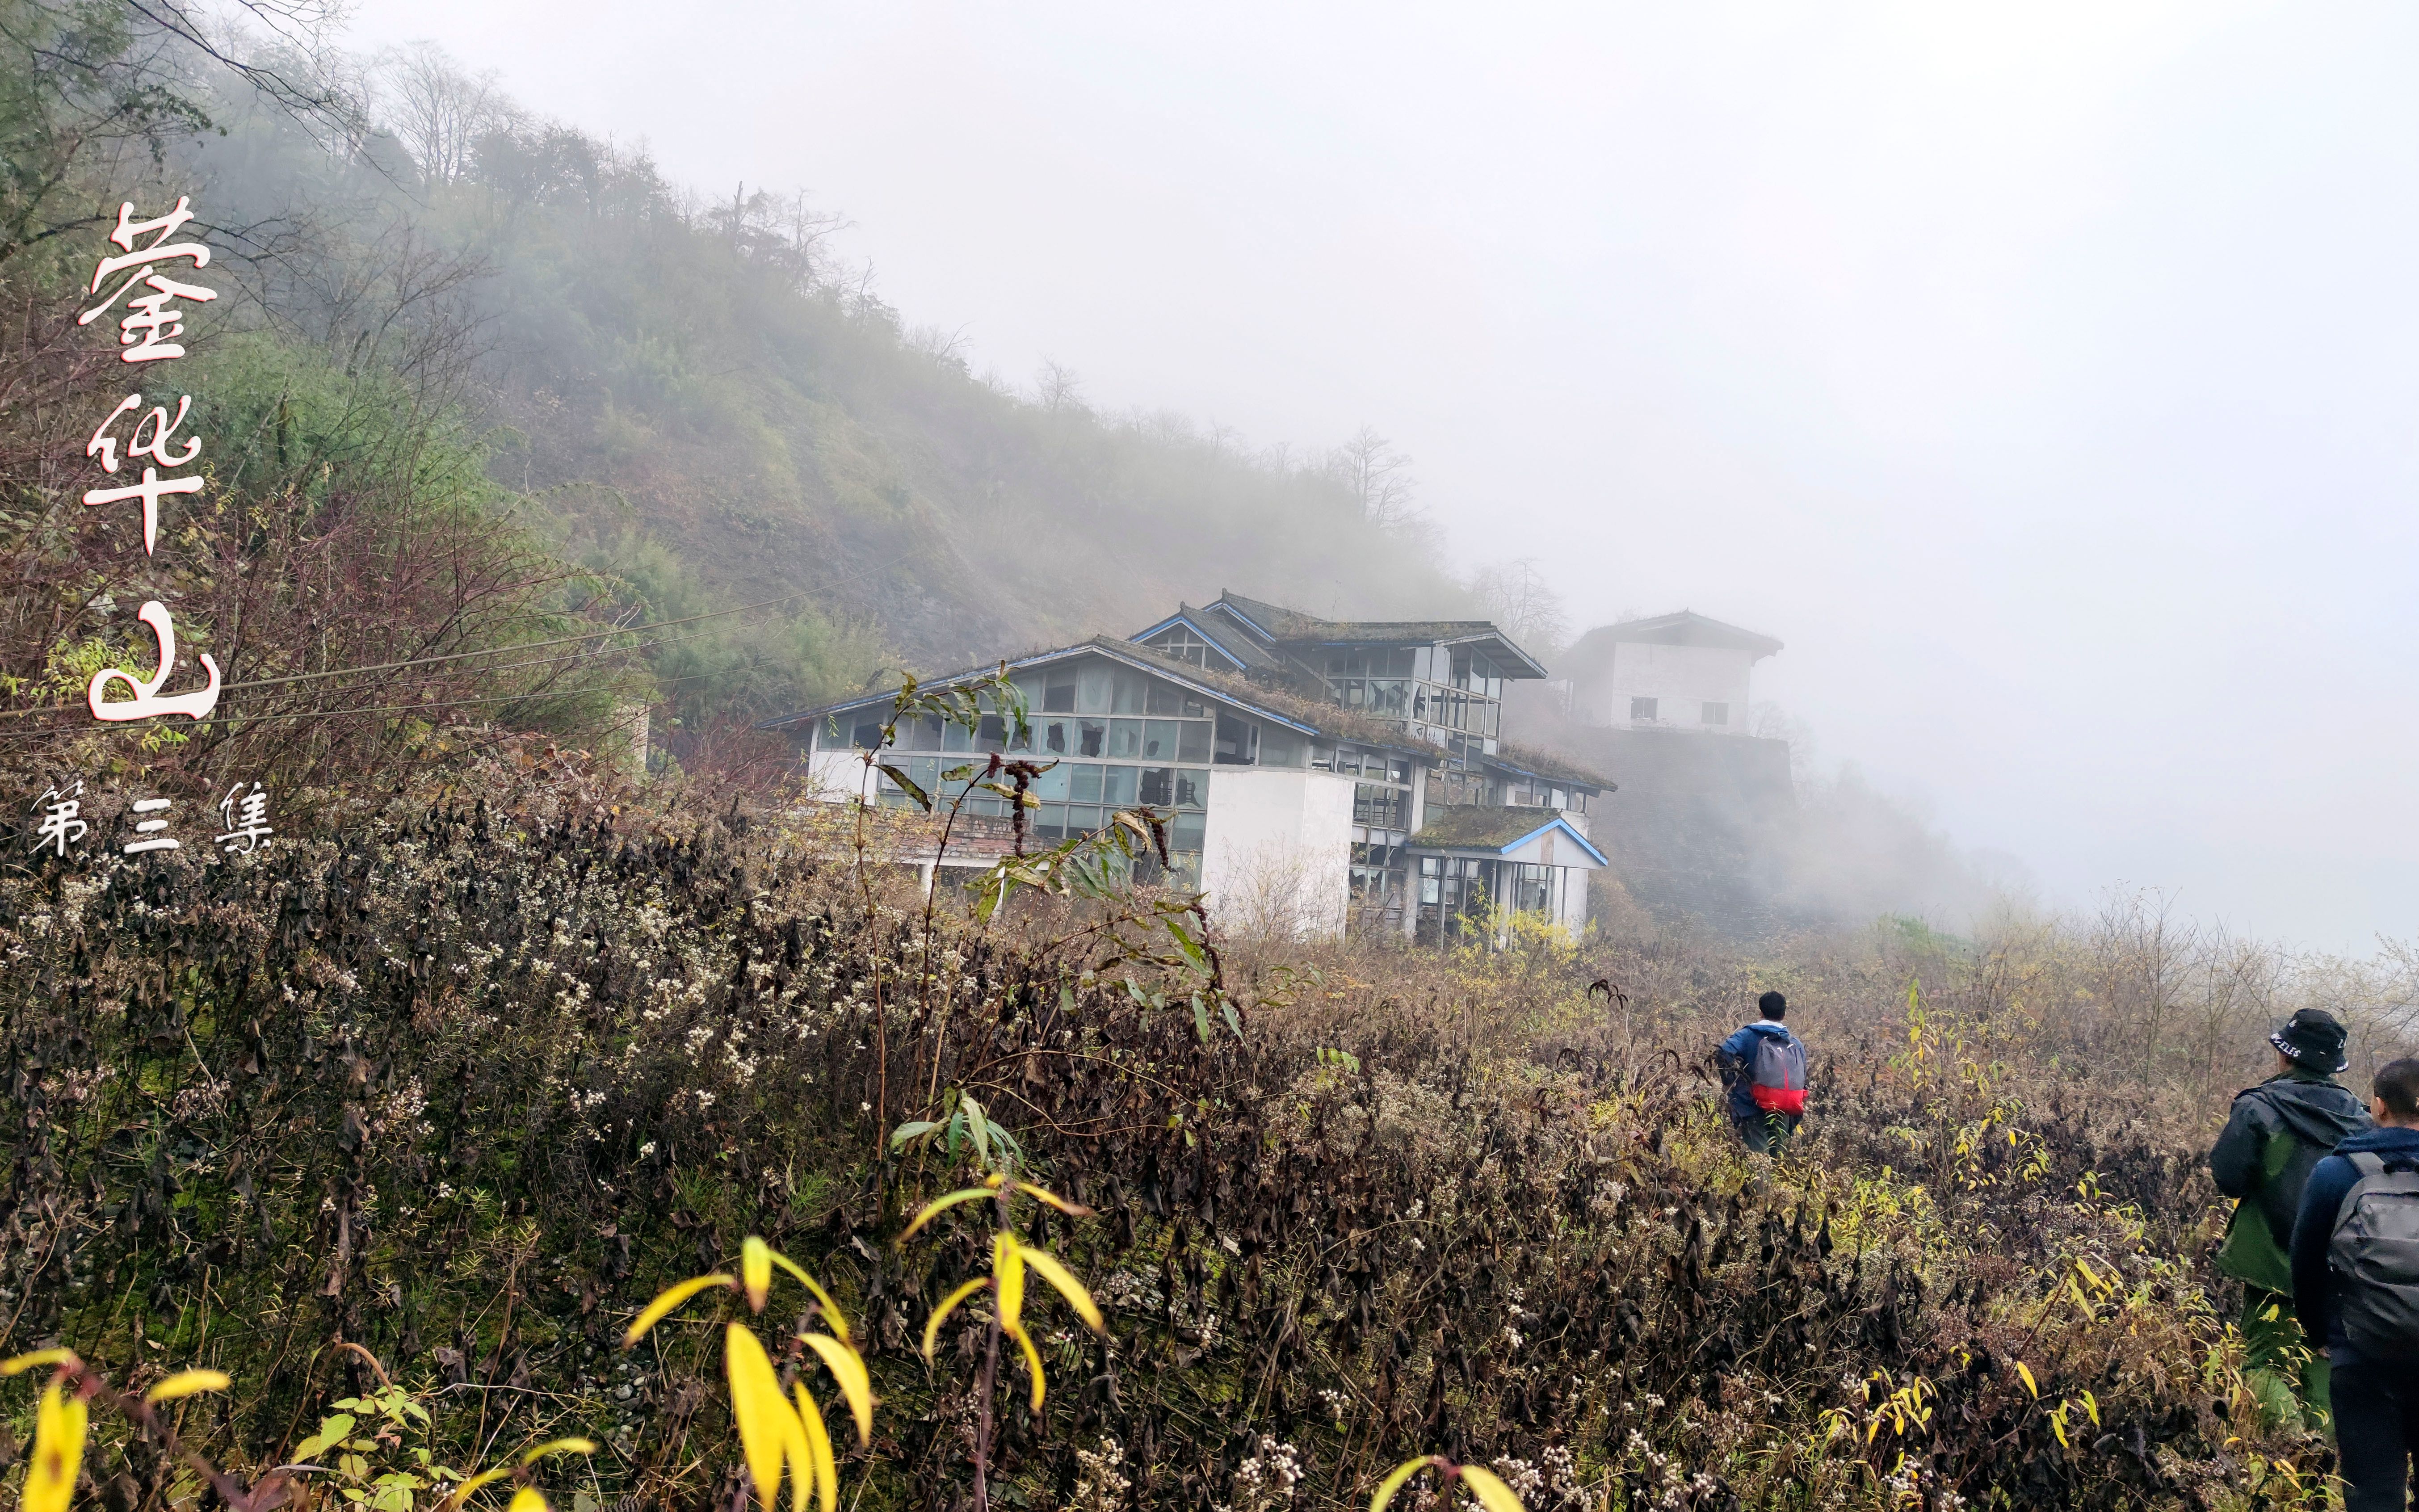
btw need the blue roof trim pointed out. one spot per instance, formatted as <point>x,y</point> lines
<point>1230,608</point>
<point>1558,821</point>
<point>1157,666</point>
<point>1197,628</point>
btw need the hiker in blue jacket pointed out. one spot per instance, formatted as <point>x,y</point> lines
<point>2356,1285</point>
<point>1763,1065</point>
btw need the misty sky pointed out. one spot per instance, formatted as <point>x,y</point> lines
<point>2045,379</point>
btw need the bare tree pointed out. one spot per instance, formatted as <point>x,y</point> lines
<point>1376,476</point>
<point>1522,604</point>
<point>1057,387</point>
<point>440,110</point>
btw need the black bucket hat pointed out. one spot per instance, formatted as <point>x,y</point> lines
<point>2312,1038</point>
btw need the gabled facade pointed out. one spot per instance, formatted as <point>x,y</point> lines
<point>1678,671</point>
<point>1297,762</point>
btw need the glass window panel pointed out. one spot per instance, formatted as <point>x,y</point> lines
<point>1093,737</point>
<point>1185,833</point>
<point>989,807</point>
<point>1159,786</point>
<point>1084,786</point>
<point>1163,699</point>
<point>1159,740</point>
<point>1117,786</point>
<point>1131,690</point>
<point>868,736</point>
<point>955,736</point>
<point>1058,693</point>
<point>1052,783</point>
<point>1050,822</point>
<point>1191,788</point>
<point>1280,746</point>
<point>991,733</point>
<point>1193,708</point>
<point>1125,737</point>
<point>1092,690</point>
<point>1080,820</point>
<point>1236,743</point>
<point>1192,742</point>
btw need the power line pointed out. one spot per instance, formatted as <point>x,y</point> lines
<point>526,645</point>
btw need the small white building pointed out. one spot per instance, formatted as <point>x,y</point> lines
<point>1312,773</point>
<point>1676,672</point>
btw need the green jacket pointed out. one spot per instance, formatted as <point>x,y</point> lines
<point>2278,1131</point>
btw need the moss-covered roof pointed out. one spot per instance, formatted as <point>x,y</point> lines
<point>1470,826</point>
<point>1531,761</point>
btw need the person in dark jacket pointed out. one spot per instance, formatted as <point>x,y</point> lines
<point>1764,1128</point>
<point>2376,1400</point>
<point>2279,1131</point>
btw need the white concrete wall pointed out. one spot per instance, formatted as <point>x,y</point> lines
<point>1277,852</point>
<point>838,776</point>
<point>1682,680</point>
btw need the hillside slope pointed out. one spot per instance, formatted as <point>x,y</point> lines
<point>705,380</point>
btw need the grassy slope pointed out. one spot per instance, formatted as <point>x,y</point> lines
<point>466,1086</point>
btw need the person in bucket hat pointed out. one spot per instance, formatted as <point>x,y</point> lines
<point>2277,1136</point>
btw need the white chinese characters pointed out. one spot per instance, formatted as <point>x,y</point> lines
<point>149,829</point>
<point>246,815</point>
<point>59,824</point>
<point>155,445</point>
<point>149,321</point>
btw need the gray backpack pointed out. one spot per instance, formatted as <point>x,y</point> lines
<point>2375,1257</point>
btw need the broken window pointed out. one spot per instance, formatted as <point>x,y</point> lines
<point>1642,711</point>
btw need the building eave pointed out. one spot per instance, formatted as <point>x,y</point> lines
<point>1139,658</point>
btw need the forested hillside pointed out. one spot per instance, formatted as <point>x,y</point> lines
<point>700,401</point>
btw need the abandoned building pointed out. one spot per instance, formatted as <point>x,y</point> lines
<point>1315,775</point>
<point>1674,671</point>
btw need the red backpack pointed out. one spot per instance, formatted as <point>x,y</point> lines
<point>1777,1079</point>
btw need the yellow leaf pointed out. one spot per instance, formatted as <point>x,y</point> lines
<point>831,1309</point>
<point>670,1298</point>
<point>2091,1405</point>
<point>758,1406</point>
<point>2029,1379</point>
<point>557,1446</point>
<point>1068,1287</point>
<point>185,1383</point>
<point>22,1362</point>
<point>528,1499</point>
<point>1032,1361</point>
<point>1395,1478</point>
<point>58,1452</point>
<point>1493,1493</point>
<point>848,1367</point>
<point>940,1204</point>
<point>462,1493</point>
<point>1073,1210</point>
<point>2057,1426</point>
<point>755,1271</point>
<point>1007,1270</point>
<point>948,1303</point>
<point>820,1446</point>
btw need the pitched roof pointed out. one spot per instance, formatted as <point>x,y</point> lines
<point>1529,762</point>
<point>1240,647</point>
<point>1295,630</point>
<point>1217,686</point>
<point>1468,827</point>
<point>1686,628</point>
